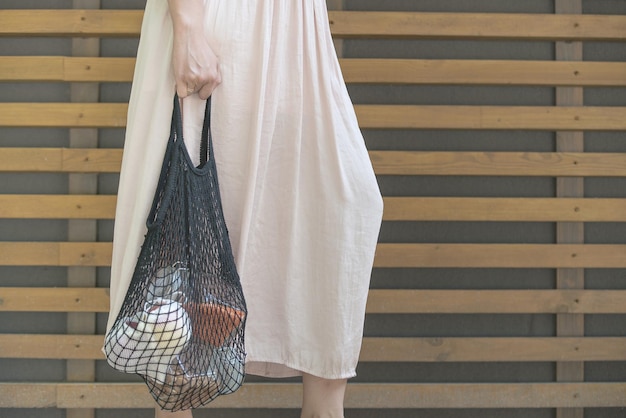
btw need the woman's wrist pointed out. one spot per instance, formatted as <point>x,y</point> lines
<point>195,65</point>
<point>186,14</point>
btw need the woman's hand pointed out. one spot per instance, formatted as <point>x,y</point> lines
<point>196,67</point>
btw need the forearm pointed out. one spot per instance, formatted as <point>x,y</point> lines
<point>196,67</point>
<point>186,14</point>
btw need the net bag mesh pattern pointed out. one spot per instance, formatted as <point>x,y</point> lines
<point>181,325</point>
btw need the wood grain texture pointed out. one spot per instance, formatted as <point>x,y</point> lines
<point>500,256</point>
<point>71,115</point>
<point>388,255</point>
<point>436,163</point>
<point>502,209</point>
<point>57,206</point>
<point>478,26</point>
<point>483,72</point>
<point>55,254</point>
<point>355,70</point>
<point>127,23</point>
<point>547,118</point>
<point>61,160</point>
<point>358,396</point>
<point>497,209</point>
<point>405,301</point>
<point>543,118</point>
<point>43,299</point>
<point>83,23</point>
<point>380,301</point>
<point>67,69</point>
<point>476,349</point>
<point>480,163</point>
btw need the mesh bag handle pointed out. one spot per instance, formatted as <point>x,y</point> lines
<point>181,325</point>
<point>206,142</point>
<point>168,170</point>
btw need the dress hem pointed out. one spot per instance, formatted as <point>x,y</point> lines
<point>275,370</point>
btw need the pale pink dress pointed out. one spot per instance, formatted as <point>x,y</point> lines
<point>300,197</point>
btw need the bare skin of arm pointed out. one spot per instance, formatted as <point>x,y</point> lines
<point>196,67</point>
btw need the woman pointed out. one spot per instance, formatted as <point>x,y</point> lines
<point>299,194</point>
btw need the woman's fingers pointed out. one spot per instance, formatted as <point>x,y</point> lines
<point>181,89</point>
<point>197,79</point>
<point>207,88</point>
<point>203,84</point>
<point>196,67</point>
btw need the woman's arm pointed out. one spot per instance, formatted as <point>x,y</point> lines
<point>196,67</point>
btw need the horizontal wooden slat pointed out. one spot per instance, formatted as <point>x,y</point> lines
<point>358,395</point>
<point>385,162</point>
<point>550,164</point>
<point>370,116</point>
<point>45,299</point>
<point>31,68</point>
<point>388,71</point>
<point>57,206</point>
<point>500,256</point>
<point>72,115</point>
<point>344,24</point>
<point>484,72</point>
<point>70,69</point>
<point>48,346</point>
<point>55,253</point>
<point>396,208</point>
<point>45,160</point>
<point>515,349</point>
<point>504,209</point>
<point>396,301</point>
<point>387,255</point>
<point>496,301</point>
<point>28,395</point>
<point>84,23</point>
<point>478,26</point>
<point>544,118</point>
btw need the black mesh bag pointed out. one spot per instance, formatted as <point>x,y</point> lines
<point>181,325</point>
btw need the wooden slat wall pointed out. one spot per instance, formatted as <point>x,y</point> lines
<point>568,117</point>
